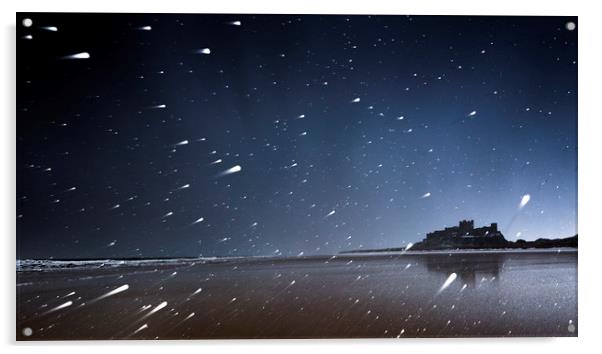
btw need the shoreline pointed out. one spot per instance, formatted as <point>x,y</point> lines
<point>48,265</point>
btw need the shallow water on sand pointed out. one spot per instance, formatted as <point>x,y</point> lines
<point>394,295</point>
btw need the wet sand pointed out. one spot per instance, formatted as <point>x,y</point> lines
<point>351,296</point>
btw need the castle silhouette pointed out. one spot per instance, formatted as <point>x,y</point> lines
<point>465,228</point>
<point>465,235</point>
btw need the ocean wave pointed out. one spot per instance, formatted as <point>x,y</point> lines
<point>41,265</point>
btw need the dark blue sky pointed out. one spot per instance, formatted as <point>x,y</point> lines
<point>458,117</point>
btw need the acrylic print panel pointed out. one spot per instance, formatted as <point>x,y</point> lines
<point>194,176</point>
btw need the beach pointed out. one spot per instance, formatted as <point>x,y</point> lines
<point>412,294</point>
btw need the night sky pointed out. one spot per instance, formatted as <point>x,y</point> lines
<point>231,135</point>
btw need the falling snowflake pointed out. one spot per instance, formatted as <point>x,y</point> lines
<point>157,308</point>
<point>60,307</point>
<point>82,55</point>
<point>570,26</point>
<point>450,279</point>
<point>111,293</point>
<point>183,187</point>
<point>524,200</point>
<point>144,326</point>
<point>231,170</point>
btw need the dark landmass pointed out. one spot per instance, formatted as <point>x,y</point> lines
<point>466,236</point>
<point>492,243</point>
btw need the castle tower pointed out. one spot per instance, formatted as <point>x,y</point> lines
<point>466,226</point>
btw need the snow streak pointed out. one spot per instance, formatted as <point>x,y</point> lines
<point>447,282</point>
<point>231,170</point>
<point>524,200</point>
<point>198,221</point>
<point>59,307</point>
<point>112,292</point>
<point>82,55</point>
